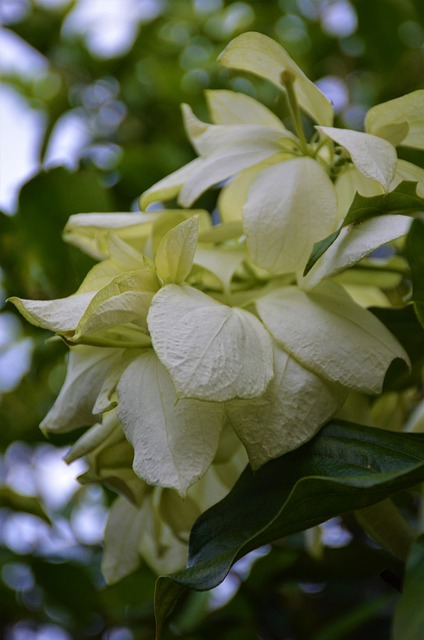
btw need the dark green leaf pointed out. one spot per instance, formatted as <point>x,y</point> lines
<point>403,200</point>
<point>403,324</point>
<point>344,468</point>
<point>409,617</point>
<point>415,255</point>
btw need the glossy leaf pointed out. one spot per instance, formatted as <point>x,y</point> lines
<point>344,468</point>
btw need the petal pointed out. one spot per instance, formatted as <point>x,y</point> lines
<point>126,299</point>
<point>84,379</point>
<point>264,57</point>
<point>231,107</point>
<point>90,231</point>
<point>331,335</point>
<point>174,439</point>
<point>170,186</point>
<point>374,157</point>
<point>283,219</point>
<point>221,262</point>
<point>224,164</point>
<point>213,352</point>
<point>354,243</point>
<point>234,194</point>
<point>174,257</point>
<point>408,171</point>
<point>123,533</point>
<point>210,138</point>
<point>350,182</point>
<point>295,405</point>
<point>407,110</point>
<point>59,315</point>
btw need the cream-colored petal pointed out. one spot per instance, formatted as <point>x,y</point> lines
<point>231,107</point>
<point>61,315</point>
<point>331,335</point>
<point>351,182</point>
<point>211,138</point>
<point>122,537</point>
<point>213,352</point>
<point>74,405</point>
<point>373,156</point>
<point>174,439</point>
<point>264,57</point>
<point>223,165</point>
<point>354,243</point>
<point>295,405</point>
<point>283,219</point>
<point>170,186</point>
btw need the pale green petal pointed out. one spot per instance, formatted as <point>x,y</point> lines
<point>73,408</point>
<point>59,315</point>
<point>350,182</point>
<point>373,156</point>
<point>264,57</point>
<point>213,352</point>
<point>170,219</point>
<point>283,219</point>
<point>331,335</point>
<point>354,243</point>
<point>222,263</point>
<point>123,257</point>
<point>170,186</point>
<point>123,533</point>
<point>295,405</point>
<point>126,299</point>
<point>174,439</point>
<point>407,110</point>
<point>408,171</point>
<point>231,107</point>
<point>174,257</point>
<point>90,232</point>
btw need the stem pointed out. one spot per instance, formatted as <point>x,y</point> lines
<point>385,524</point>
<point>288,80</point>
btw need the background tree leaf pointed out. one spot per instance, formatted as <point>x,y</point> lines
<point>409,616</point>
<point>415,254</point>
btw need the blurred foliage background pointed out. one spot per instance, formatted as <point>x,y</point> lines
<point>105,89</point>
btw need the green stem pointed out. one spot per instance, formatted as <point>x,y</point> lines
<point>288,80</point>
<point>385,524</point>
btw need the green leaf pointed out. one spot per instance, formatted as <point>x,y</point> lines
<point>403,200</point>
<point>345,467</point>
<point>415,255</point>
<point>409,615</point>
<point>404,325</point>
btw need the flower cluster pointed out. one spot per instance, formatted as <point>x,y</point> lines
<point>193,344</point>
